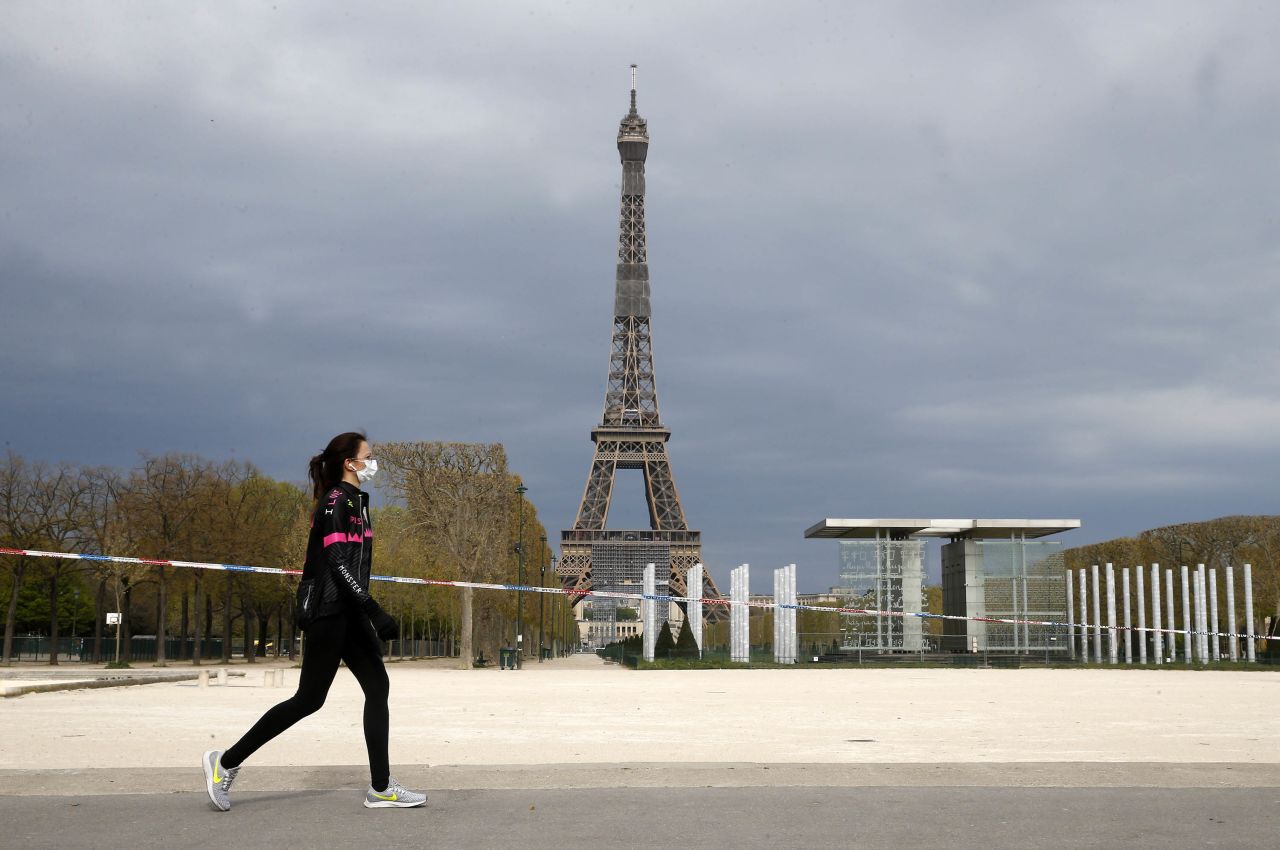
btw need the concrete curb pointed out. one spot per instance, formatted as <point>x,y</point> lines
<point>123,780</point>
<point>103,681</point>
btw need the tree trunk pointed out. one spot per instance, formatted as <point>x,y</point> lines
<point>53,617</point>
<point>197,651</point>
<point>100,614</point>
<point>264,625</point>
<point>162,604</point>
<point>186,622</point>
<point>293,635</point>
<point>250,653</point>
<point>12,619</point>
<point>466,658</point>
<point>453,632</point>
<point>279,630</point>
<point>226,624</point>
<point>208,622</point>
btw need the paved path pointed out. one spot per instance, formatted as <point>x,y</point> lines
<point>580,710</point>
<point>576,754</point>
<point>654,817</point>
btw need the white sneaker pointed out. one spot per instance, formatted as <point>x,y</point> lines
<point>218,779</point>
<point>395,797</point>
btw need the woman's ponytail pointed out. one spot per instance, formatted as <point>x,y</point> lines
<point>325,469</point>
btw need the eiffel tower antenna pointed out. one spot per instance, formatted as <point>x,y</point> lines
<point>631,434</point>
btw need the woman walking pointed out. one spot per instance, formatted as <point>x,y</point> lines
<point>342,623</point>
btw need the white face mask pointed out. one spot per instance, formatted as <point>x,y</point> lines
<point>370,470</point>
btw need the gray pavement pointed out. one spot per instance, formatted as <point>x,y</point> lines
<point>957,805</point>
<point>571,755</point>
<point>864,817</point>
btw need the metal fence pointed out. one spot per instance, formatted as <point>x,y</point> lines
<point>141,648</point>
<point>826,649</point>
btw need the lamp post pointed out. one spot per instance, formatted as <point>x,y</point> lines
<point>542,582</point>
<point>520,490</point>
<point>556,627</point>
<point>75,609</point>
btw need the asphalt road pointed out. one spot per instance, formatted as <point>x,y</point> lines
<point>735,817</point>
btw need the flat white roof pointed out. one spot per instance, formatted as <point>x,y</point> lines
<point>981,529</point>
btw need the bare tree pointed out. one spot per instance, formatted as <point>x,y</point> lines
<point>99,530</point>
<point>167,499</point>
<point>41,507</point>
<point>458,495</point>
<point>19,529</point>
<point>69,504</point>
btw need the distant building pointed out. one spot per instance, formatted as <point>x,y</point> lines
<point>990,568</point>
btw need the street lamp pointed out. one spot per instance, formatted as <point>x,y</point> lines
<point>542,582</point>
<point>520,490</point>
<point>75,609</point>
<point>557,629</point>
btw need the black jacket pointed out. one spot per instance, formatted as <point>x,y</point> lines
<point>340,551</point>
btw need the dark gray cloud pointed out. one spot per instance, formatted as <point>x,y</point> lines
<point>922,259</point>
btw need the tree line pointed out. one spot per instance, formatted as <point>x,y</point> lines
<point>1227,541</point>
<point>452,511</point>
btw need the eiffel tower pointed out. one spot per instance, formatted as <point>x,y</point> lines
<point>631,434</point>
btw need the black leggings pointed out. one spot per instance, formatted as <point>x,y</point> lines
<point>343,637</point>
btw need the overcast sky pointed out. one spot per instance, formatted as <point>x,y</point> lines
<point>908,259</point>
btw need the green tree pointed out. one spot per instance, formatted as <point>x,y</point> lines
<point>459,497</point>
<point>933,605</point>
<point>686,646</point>
<point>666,644</point>
<point>41,507</point>
<point>167,500</point>
<point>34,611</point>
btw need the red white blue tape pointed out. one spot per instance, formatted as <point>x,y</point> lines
<point>606,594</point>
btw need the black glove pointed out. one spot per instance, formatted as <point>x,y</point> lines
<point>383,623</point>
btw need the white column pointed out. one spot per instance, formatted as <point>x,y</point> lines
<point>1215,643</point>
<point>1202,609</point>
<point>1171,625</point>
<point>693,590</point>
<point>792,639</point>
<point>1233,642</point>
<point>1128,618</point>
<point>739,625</point>
<point>1157,636</point>
<point>1203,572</point>
<point>777,617</point>
<point>649,611</point>
<point>1071,615</point>
<point>781,617</point>
<point>1186,615</point>
<point>792,616</point>
<point>1142,616</point>
<point>1097,616</point>
<point>1084,617</point>
<point>733,614</point>
<point>784,642</point>
<point>784,619</point>
<point>1113,645</point>
<point>1250,650</point>
<point>1197,651</point>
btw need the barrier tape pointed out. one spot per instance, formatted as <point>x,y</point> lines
<point>612,594</point>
